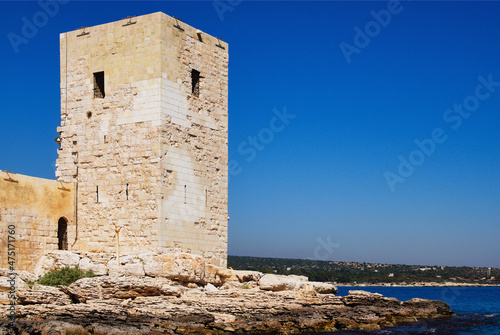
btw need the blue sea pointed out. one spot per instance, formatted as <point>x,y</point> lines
<point>477,310</point>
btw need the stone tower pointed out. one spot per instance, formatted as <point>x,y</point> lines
<point>144,135</point>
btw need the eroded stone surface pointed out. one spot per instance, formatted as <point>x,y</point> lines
<point>198,311</point>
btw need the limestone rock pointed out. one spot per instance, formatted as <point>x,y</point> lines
<point>319,287</point>
<point>5,284</point>
<point>44,265</point>
<point>86,264</point>
<point>64,258</point>
<point>151,266</point>
<point>40,294</point>
<point>233,284</point>
<point>4,298</point>
<point>184,267</point>
<point>298,278</point>
<point>222,274</point>
<point>120,287</point>
<point>271,282</point>
<point>246,276</point>
<point>23,275</point>
<point>210,288</point>
<point>232,310</point>
<point>129,266</point>
<point>364,294</point>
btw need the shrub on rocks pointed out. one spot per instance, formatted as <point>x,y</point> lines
<point>65,276</point>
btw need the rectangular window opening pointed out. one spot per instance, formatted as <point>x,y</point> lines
<point>195,82</point>
<point>99,85</point>
<point>97,193</point>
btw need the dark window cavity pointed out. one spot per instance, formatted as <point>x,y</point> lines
<point>195,83</point>
<point>99,85</point>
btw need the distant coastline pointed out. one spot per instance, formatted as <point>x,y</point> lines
<point>372,274</point>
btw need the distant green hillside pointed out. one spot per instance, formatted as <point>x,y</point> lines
<point>350,272</point>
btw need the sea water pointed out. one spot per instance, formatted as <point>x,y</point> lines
<point>477,310</point>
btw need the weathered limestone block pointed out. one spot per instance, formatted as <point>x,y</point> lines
<point>209,288</point>
<point>23,275</point>
<point>246,276</point>
<point>40,294</point>
<point>184,267</point>
<point>222,274</point>
<point>99,269</point>
<point>319,287</point>
<point>121,288</point>
<point>232,284</point>
<point>4,298</point>
<point>151,266</point>
<point>271,282</point>
<point>64,258</point>
<point>44,265</point>
<point>129,266</point>
<point>55,260</point>
<point>298,278</point>
<point>363,294</point>
<point>5,284</point>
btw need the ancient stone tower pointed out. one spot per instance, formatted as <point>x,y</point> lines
<point>144,136</point>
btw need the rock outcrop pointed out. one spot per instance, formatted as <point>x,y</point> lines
<point>40,294</point>
<point>212,311</point>
<point>120,288</point>
<point>182,294</point>
<point>178,266</point>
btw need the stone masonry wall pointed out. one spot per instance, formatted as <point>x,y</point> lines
<point>34,206</point>
<point>150,158</point>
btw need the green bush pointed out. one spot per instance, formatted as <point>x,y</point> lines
<point>65,276</point>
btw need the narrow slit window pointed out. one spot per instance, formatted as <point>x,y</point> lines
<point>97,193</point>
<point>195,82</point>
<point>99,85</point>
<point>62,234</point>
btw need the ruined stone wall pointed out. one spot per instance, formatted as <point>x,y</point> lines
<point>34,206</point>
<point>150,157</point>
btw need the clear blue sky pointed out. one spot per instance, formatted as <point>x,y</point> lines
<point>318,186</point>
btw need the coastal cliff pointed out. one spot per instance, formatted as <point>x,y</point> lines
<point>198,300</point>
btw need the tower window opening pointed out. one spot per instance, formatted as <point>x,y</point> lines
<point>99,85</point>
<point>195,82</point>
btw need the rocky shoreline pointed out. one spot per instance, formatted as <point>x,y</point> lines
<point>420,284</point>
<point>181,294</point>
